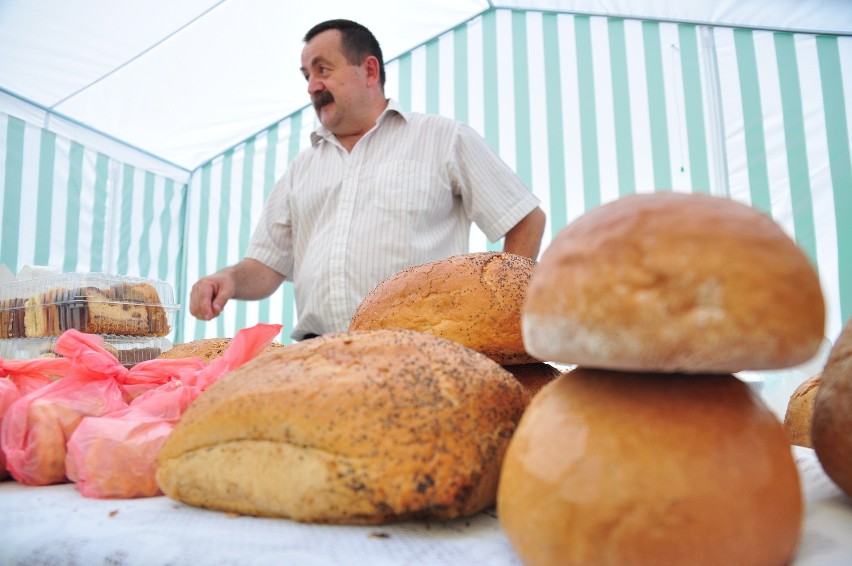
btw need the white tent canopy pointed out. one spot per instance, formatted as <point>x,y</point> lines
<point>183,81</point>
<point>141,137</point>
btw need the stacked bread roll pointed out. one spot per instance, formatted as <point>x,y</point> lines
<point>651,451</point>
<point>474,299</point>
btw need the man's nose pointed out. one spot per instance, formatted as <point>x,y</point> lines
<point>315,85</point>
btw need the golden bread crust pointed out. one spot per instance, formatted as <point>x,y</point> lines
<point>474,299</point>
<point>674,282</point>
<point>361,427</point>
<point>832,413</point>
<point>799,413</point>
<point>626,468</point>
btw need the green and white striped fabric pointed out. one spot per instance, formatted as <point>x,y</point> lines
<point>588,109</point>
<point>77,210</point>
<point>226,198</point>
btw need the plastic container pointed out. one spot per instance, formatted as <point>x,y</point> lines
<point>129,350</point>
<point>94,303</point>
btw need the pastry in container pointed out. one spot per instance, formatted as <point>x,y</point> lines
<point>129,350</point>
<point>94,303</point>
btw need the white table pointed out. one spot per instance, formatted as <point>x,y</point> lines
<point>55,525</point>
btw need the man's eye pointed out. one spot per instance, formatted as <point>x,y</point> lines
<point>323,70</point>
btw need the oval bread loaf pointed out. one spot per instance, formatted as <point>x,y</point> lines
<point>473,299</point>
<point>362,427</point>
<point>207,349</point>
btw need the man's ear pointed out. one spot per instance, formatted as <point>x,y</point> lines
<point>371,64</point>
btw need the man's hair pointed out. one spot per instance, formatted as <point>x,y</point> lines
<point>357,42</point>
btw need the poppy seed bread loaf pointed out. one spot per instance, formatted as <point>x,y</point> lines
<point>358,428</point>
<point>473,299</point>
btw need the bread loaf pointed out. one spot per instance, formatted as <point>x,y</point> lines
<point>624,468</point>
<point>674,282</point>
<point>473,299</point>
<point>207,349</point>
<point>831,427</point>
<point>799,413</point>
<point>362,427</point>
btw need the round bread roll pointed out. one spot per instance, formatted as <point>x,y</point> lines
<point>361,428</point>
<point>473,299</point>
<point>628,468</point>
<point>673,282</point>
<point>533,377</point>
<point>831,426</point>
<point>207,349</point>
<point>799,413</point>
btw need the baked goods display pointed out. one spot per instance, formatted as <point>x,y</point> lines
<point>636,468</point>
<point>650,451</point>
<point>358,427</point>
<point>831,425</point>
<point>12,317</point>
<point>474,299</point>
<point>92,303</point>
<point>35,311</point>
<point>674,282</point>
<point>129,350</point>
<point>799,412</point>
<point>207,349</point>
<point>444,396</point>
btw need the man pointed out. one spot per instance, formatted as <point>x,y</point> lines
<point>378,191</point>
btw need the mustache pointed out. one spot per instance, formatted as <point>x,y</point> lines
<point>320,99</point>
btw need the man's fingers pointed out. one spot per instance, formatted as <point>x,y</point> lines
<point>201,300</point>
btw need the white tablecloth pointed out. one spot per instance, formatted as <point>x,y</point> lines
<point>55,525</point>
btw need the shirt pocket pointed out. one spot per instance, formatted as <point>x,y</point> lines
<point>406,185</point>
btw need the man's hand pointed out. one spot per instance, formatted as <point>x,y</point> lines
<point>249,279</point>
<point>209,294</point>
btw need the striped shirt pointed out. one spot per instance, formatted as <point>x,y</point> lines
<point>337,223</point>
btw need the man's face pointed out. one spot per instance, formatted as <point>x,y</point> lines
<point>336,87</point>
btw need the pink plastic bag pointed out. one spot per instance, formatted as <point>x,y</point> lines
<point>116,455</point>
<point>20,377</point>
<point>8,395</point>
<point>36,428</point>
<point>29,375</point>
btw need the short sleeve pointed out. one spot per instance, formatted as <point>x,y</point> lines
<point>494,197</point>
<point>272,241</point>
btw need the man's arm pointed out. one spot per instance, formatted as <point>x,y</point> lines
<point>249,280</point>
<point>525,237</point>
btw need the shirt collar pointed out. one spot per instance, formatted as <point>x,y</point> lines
<point>392,108</point>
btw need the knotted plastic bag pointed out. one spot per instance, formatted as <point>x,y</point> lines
<point>29,375</point>
<point>116,455</point>
<point>36,428</point>
<point>20,377</point>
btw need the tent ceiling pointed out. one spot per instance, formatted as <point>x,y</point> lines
<point>186,80</point>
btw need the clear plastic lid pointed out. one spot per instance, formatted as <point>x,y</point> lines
<point>129,351</point>
<point>95,303</point>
